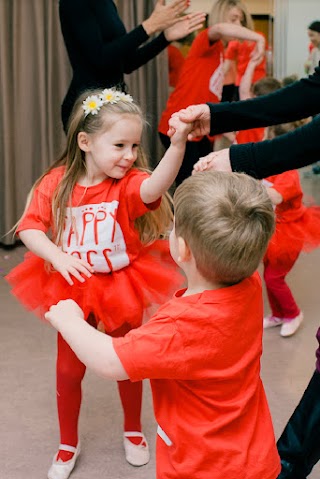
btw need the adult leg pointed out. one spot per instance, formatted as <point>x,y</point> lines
<point>299,444</point>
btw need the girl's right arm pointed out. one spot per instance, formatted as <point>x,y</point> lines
<point>39,243</point>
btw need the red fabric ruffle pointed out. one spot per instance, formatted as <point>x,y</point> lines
<point>114,299</point>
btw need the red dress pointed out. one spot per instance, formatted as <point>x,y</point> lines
<point>129,277</point>
<point>297,226</point>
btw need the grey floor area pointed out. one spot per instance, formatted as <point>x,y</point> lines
<point>28,426</point>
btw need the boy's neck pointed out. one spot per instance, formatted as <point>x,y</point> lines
<point>197,283</point>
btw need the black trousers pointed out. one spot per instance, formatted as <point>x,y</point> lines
<point>299,444</point>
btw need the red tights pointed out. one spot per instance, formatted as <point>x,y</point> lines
<point>282,302</point>
<point>70,372</point>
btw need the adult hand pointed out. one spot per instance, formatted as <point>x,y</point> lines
<point>187,25</point>
<point>199,116</point>
<point>63,311</point>
<point>164,16</point>
<point>68,265</point>
<point>217,160</point>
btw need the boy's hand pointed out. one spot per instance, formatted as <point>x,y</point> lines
<point>217,160</point>
<point>68,266</point>
<point>63,310</point>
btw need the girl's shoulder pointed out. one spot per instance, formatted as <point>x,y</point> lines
<point>50,181</point>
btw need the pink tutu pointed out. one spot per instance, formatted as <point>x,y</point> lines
<point>113,298</point>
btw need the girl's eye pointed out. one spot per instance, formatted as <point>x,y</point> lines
<point>135,146</point>
<point>119,145</point>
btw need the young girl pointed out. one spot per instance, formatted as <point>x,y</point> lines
<point>297,229</point>
<point>96,203</point>
<point>201,79</point>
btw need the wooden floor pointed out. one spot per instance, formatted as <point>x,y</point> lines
<point>28,426</point>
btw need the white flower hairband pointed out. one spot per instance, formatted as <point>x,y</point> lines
<point>93,103</point>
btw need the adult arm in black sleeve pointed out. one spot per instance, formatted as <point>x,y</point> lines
<point>293,150</point>
<point>95,34</point>
<point>296,101</point>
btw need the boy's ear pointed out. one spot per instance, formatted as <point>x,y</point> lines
<point>183,250</point>
<point>83,141</point>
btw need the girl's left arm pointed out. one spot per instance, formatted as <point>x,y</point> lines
<point>165,173</point>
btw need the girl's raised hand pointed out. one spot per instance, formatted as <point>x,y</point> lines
<point>179,130</point>
<point>69,266</point>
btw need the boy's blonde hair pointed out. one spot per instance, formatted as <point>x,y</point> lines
<point>150,226</point>
<point>220,8</point>
<point>227,220</point>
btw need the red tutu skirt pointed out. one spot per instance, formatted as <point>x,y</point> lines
<point>290,238</point>
<point>114,298</point>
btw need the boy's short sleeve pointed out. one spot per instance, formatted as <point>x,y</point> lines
<point>153,351</point>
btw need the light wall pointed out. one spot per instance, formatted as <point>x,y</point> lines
<point>254,6</point>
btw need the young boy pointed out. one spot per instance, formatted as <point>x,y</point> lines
<point>202,349</point>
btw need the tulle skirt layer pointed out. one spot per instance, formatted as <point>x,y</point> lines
<point>121,297</point>
<point>293,237</point>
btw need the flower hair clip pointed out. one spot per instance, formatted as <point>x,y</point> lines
<point>93,103</point>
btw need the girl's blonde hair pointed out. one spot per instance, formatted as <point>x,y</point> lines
<point>153,224</point>
<point>220,9</point>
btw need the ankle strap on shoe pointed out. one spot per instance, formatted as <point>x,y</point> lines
<point>133,434</point>
<point>66,447</point>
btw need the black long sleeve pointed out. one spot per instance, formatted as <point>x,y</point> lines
<point>99,48</point>
<point>296,149</point>
<point>293,150</point>
<point>296,101</point>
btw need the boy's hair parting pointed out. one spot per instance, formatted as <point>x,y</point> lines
<point>220,8</point>
<point>265,86</point>
<point>154,223</point>
<point>227,220</point>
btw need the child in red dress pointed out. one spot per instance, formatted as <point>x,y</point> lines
<point>297,229</point>
<point>91,229</point>
<point>202,349</point>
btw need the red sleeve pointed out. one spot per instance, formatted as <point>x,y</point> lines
<point>287,184</point>
<point>201,47</point>
<point>231,52</point>
<point>153,351</point>
<point>131,191</point>
<point>39,213</point>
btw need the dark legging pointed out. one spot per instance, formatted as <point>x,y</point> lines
<point>194,151</point>
<point>70,372</point>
